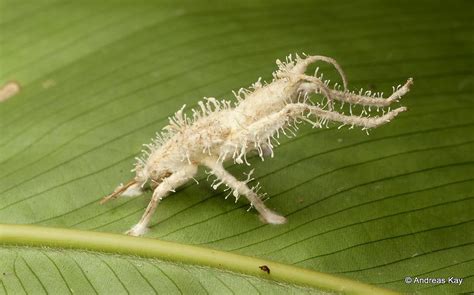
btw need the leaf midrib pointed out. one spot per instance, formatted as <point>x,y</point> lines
<point>34,236</point>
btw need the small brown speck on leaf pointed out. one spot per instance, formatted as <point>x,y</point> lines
<point>8,90</point>
<point>265,268</point>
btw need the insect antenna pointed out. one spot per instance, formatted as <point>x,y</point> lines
<point>118,191</point>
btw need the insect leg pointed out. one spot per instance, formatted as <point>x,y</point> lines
<point>269,125</point>
<point>168,185</point>
<point>360,99</point>
<point>368,100</point>
<point>303,64</point>
<point>316,85</point>
<point>241,188</point>
<point>297,109</point>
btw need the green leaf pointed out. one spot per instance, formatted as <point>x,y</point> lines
<point>99,78</point>
<point>198,271</point>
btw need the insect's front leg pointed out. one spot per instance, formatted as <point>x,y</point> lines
<point>168,185</point>
<point>241,188</point>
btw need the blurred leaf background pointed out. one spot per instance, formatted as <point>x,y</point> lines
<point>99,78</point>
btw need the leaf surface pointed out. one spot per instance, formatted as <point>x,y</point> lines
<point>99,78</point>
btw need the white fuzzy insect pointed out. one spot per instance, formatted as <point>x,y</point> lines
<point>221,130</point>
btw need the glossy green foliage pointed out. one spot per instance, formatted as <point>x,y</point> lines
<point>99,78</point>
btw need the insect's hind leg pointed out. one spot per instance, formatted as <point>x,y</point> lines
<point>267,126</point>
<point>297,110</point>
<point>302,64</point>
<point>168,185</point>
<point>367,100</point>
<point>241,188</point>
<point>352,98</point>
